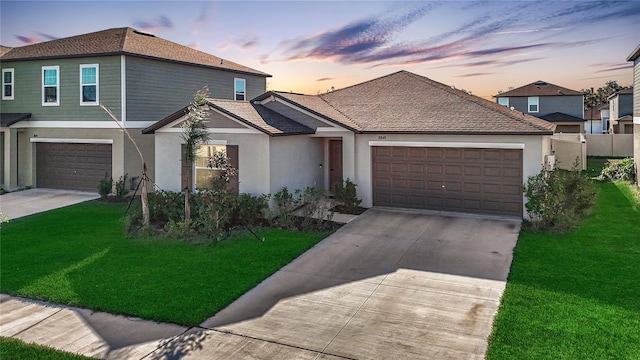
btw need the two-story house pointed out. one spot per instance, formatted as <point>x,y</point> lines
<point>635,57</point>
<point>54,133</point>
<point>621,107</point>
<point>561,106</point>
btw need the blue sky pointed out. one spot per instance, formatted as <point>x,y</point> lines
<point>311,46</point>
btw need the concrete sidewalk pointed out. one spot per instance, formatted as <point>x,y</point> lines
<point>107,336</point>
<point>27,202</point>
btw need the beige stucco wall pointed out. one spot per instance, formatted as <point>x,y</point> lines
<point>132,162</point>
<point>535,149</point>
<point>296,162</point>
<point>10,159</point>
<point>253,160</point>
<point>618,145</point>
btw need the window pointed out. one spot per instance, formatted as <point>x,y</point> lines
<point>50,85</point>
<point>7,84</point>
<point>504,101</point>
<point>533,104</point>
<point>240,89</point>
<point>89,84</point>
<point>204,172</point>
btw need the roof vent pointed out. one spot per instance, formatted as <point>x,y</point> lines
<point>539,83</point>
<point>143,34</point>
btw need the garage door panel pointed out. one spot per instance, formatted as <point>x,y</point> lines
<point>417,184</point>
<point>453,170</point>
<point>72,166</point>
<point>512,173</point>
<point>399,184</point>
<point>450,179</point>
<point>511,189</point>
<point>435,169</point>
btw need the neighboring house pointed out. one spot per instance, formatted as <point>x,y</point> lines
<point>561,106</point>
<point>621,105</point>
<point>405,140</point>
<point>635,57</point>
<point>597,120</point>
<point>53,132</point>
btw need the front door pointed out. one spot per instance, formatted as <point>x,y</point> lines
<point>335,161</point>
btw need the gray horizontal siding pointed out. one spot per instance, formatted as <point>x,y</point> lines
<point>28,89</point>
<point>570,105</point>
<point>156,89</point>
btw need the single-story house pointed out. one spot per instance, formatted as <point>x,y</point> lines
<point>405,140</point>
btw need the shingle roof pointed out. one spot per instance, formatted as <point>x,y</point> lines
<point>260,117</point>
<point>123,41</point>
<point>592,114</point>
<point>249,113</point>
<point>627,91</point>
<point>561,117</point>
<point>8,119</point>
<point>539,88</point>
<point>4,49</point>
<point>315,105</point>
<point>409,103</point>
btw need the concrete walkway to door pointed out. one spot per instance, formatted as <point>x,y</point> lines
<point>388,285</point>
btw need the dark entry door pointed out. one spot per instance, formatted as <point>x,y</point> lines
<point>335,161</point>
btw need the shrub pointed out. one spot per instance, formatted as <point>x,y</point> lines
<point>105,185</point>
<point>285,205</point>
<point>622,170</point>
<point>121,187</point>
<point>557,200</point>
<point>313,210</point>
<point>345,194</point>
<point>249,210</point>
<point>165,206</point>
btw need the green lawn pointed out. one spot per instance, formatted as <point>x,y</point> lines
<point>79,256</point>
<point>577,295</point>
<point>14,349</point>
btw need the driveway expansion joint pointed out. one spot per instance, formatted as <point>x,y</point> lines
<point>228,332</point>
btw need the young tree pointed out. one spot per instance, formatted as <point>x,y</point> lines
<point>143,181</point>
<point>194,133</point>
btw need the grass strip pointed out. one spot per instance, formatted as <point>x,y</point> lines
<point>575,296</point>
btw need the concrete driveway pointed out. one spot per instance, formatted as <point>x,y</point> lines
<point>388,285</point>
<point>27,202</point>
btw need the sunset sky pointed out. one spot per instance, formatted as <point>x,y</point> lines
<point>311,46</point>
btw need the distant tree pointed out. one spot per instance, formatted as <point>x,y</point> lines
<point>593,99</point>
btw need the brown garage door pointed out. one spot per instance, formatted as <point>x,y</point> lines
<point>485,181</point>
<point>72,166</point>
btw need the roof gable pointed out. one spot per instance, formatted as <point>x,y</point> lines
<point>123,41</point>
<point>409,103</point>
<point>539,88</point>
<point>250,114</point>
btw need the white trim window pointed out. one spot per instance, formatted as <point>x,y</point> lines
<point>204,170</point>
<point>7,84</point>
<point>89,81</point>
<point>50,85</point>
<point>240,89</point>
<point>534,104</point>
<point>504,101</point>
